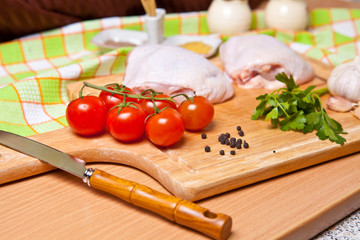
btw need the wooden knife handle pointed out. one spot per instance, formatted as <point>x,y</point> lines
<point>189,214</point>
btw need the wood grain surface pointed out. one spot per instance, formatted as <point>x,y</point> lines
<point>299,205</point>
<point>56,205</point>
<point>185,169</point>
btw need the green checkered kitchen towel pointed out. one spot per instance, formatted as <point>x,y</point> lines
<point>35,70</point>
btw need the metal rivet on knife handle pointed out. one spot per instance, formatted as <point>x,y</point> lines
<point>186,213</point>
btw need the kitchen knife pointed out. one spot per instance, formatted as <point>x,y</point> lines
<point>186,213</point>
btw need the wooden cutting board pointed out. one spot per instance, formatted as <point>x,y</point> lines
<point>185,169</point>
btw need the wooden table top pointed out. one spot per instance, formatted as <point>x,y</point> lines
<point>299,205</point>
<point>57,205</point>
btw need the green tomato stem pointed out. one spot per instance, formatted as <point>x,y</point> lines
<point>153,92</point>
<point>184,95</point>
<point>127,95</point>
<point>80,92</point>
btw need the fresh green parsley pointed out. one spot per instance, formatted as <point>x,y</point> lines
<point>300,110</point>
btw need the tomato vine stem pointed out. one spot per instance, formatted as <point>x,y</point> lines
<point>127,95</point>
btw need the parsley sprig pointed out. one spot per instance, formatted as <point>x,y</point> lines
<point>300,110</point>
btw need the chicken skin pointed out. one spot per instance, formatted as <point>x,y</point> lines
<point>252,61</point>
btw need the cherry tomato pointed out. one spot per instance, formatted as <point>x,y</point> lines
<point>112,100</point>
<point>166,128</point>
<point>197,114</point>
<point>148,105</point>
<point>86,116</point>
<point>128,124</point>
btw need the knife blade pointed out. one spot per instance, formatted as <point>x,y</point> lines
<point>183,212</point>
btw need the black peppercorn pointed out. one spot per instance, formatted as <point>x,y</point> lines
<point>238,128</point>
<point>246,145</point>
<point>222,152</point>
<point>241,133</point>
<point>203,136</point>
<point>207,149</point>
<point>232,152</point>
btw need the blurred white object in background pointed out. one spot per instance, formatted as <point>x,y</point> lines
<point>286,14</point>
<point>155,26</point>
<point>229,16</point>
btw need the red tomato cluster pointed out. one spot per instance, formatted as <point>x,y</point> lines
<point>128,119</point>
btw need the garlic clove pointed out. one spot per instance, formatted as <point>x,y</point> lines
<point>356,112</point>
<point>344,80</point>
<point>339,104</point>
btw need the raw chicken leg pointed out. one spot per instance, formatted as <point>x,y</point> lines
<point>172,70</point>
<point>252,61</point>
